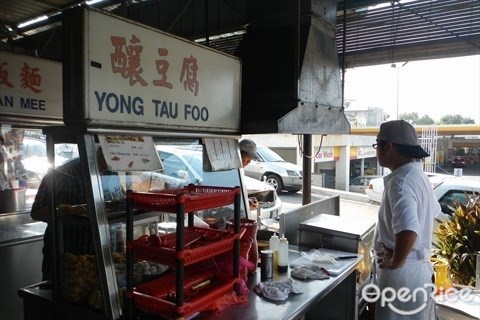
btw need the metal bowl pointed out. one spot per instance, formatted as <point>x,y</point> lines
<point>12,200</point>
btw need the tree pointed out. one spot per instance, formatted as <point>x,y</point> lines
<point>411,117</point>
<point>425,120</point>
<point>456,119</point>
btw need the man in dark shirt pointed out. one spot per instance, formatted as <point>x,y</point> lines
<point>69,186</point>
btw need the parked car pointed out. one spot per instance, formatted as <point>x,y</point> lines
<point>360,183</point>
<point>449,190</point>
<point>275,170</point>
<point>374,191</point>
<point>458,162</point>
<point>375,188</point>
<point>187,163</point>
<point>454,190</point>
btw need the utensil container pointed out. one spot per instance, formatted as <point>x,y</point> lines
<point>12,200</point>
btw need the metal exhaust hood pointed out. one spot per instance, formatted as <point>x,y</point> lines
<point>291,78</point>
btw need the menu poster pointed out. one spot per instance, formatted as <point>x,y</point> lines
<point>130,153</point>
<point>222,154</point>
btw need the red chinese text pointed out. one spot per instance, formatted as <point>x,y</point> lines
<point>4,76</point>
<point>126,59</point>
<point>162,67</point>
<point>189,75</point>
<point>30,78</point>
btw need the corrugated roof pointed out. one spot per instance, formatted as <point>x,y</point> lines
<point>413,30</point>
<point>396,31</point>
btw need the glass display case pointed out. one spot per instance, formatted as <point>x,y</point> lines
<point>91,273</point>
<point>23,163</point>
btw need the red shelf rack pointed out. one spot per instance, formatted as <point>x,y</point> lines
<point>194,198</point>
<point>207,243</point>
<point>169,310</point>
<point>186,247</point>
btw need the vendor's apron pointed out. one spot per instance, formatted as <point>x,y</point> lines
<point>414,281</point>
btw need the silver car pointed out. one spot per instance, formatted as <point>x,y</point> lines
<point>360,183</point>
<point>187,163</point>
<point>277,172</point>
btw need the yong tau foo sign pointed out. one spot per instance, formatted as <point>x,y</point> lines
<point>138,76</point>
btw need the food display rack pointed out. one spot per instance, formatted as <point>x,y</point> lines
<point>200,244</point>
<point>188,246</point>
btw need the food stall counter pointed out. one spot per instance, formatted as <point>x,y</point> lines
<point>334,297</point>
<point>19,227</point>
<point>21,242</point>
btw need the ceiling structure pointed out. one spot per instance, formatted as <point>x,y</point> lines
<point>298,91</point>
<point>376,31</point>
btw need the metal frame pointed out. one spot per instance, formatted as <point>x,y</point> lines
<point>98,222</point>
<point>85,138</point>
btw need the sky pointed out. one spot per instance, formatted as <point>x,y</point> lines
<point>430,87</point>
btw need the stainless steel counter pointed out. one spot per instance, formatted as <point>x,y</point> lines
<point>334,298</point>
<point>19,227</point>
<point>21,243</point>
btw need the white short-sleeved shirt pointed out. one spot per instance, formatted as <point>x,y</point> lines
<point>408,203</point>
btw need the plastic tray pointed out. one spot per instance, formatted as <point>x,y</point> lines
<point>333,269</point>
<point>165,285</point>
<point>193,197</point>
<point>208,243</point>
<point>162,305</point>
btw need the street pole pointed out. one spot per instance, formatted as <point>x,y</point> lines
<point>398,86</point>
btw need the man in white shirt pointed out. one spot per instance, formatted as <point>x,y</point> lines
<point>405,227</point>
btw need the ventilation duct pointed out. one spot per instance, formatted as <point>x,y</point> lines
<point>290,73</point>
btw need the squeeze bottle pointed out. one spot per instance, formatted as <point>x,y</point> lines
<point>283,255</point>
<point>274,243</point>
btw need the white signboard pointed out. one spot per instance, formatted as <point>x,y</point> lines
<point>30,86</point>
<point>130,153</point>
<point>137,75</point>
<point>325,154</point>
<point>365,152</point>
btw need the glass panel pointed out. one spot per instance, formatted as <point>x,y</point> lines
<point>183,165</point>
<point>357,182</point>
<point>185,161</point>
<point>23,160</point>
<point>182,161</point>
<point>269,155</point>
<point>451,198</point>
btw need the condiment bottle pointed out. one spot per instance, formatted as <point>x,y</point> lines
<point>266,265</point>
<point>283,255</point>
<point>274,243</point>
<point>442,281</point>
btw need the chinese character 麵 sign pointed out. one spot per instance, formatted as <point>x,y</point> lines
<point>140,75</point>
<point>30,86</point>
